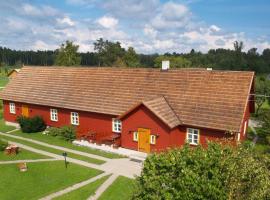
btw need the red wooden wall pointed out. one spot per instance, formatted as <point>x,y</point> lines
<point>144,118</point>
<point>88,121</point>
<point>139,118</point>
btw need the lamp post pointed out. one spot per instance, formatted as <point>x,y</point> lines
<point>65,157</point>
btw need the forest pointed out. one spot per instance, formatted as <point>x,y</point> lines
<point>108,53</point>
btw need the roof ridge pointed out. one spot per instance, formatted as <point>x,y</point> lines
<point>180,121</point>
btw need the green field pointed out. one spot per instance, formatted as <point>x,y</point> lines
<point>3,81</point>
<point>22,155</point>
<point>5,128</point>
<point>40,180</point>
<point>122,188</point>
<point>84,192</point>
<point>52,150</point>
<point>63,143</point>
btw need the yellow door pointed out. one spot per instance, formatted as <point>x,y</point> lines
<point>25,111</point>
<point>144,140</point>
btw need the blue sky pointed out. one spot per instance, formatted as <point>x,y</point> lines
<point>149,26</point>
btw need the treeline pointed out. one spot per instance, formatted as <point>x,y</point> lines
<point>109,53</point>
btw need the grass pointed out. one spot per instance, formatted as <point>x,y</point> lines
<point>60,142</point>
<point>84,192</point>
<point>40,180</point>
<point>3,81</point>
<point>5,128</point>
<point>22,155</point>
<point>52,150</point>
<point>122,188</point>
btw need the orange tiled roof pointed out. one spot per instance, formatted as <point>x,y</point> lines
<point>210,99</point>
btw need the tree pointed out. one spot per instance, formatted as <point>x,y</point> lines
<point>68,55</point>
<point>262,89</point>
<point>264,132</point>
<point>238,46</point>
<point>175,61</point>
<point>216,172</point>
<point>108,52</point>
<point>119,63</point>
<point>131,58</point>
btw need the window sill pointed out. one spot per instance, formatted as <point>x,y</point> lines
<point>116,131</point>
<point>193,144</point>
<point>75,124</point>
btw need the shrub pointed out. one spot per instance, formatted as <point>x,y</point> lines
<point>216,172</point>
<point>31,125</point>
<point>3,145</point>
<point>66,132</point>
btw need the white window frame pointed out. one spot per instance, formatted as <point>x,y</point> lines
<point>153,139</point>
<point>116,125</point>
<point>192,136</point>
<point>12,108</point>
<point>135,136</point>
<point>245,128</point>
<point>74,118</point>
<point>54,114</point>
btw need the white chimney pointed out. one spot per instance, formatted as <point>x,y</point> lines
<point>209,69</point>
<point>165,65</point>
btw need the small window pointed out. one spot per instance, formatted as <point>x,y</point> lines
<point>74,118</point>
<point>193,136</point>
<point>135,136</point>
<point>152,139</point>
<point>116,125</point>
<point>54,115</point>
<point>12,108</point>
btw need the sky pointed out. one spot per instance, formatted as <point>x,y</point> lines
<point>150,26</point>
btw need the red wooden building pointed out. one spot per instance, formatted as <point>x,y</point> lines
<point>147,109</point>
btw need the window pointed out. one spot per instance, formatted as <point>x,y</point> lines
<point>116,125</point>
<point>54,115</point>
<point>12,108</point>
<point>193,136</point>
<point>152,139</point>
<point>74,118</point>
<point>245,128</point>
<point>135,136</point>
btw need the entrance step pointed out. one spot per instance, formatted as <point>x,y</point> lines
<point>137,158</point>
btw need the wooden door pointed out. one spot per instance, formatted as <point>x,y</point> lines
<point>144,140</point>
<point>25,111</point>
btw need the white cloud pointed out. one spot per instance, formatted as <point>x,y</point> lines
<point>171,16</point>
<point>42,11</point>
<point>150,26</point>
<point>41,45</point>
<point>107,22</point>
<point>65,21</point>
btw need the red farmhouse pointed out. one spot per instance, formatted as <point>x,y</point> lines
<point>148,109</point>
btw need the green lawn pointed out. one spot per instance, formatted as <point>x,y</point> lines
<point>3,81</point>
<point>52,150</point>
<point>84,192</point>
<point>22,155</point>
<point>60,142</point>
<point>5,128</point>
<point>40,180</point>
<point>122,188</point>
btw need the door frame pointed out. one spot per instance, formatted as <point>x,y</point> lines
<point>25,110</point>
